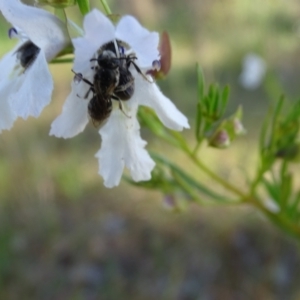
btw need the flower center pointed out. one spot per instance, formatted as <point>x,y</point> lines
<point>27,54</point>
<point>28,51</point>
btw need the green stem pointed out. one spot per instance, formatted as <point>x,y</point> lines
<point>196,149</point>
<point>106,7</point>
<point>185,187</point>
<point>257,180</point>
<point>246,198</point>
<point>192,156</point>
<point>62,61</point>
<point>213,175</point>
<point>276,218</point>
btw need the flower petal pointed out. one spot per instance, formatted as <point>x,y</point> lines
<point>254,70</point>
<point>143,42</point>
<point>99,30</point>
<point>7,116</point>
<point>41,27</point>
<point>33,89</point>
<point>7,63</point>
<point>122,146</point>
<point>149,94</point>
<point>74,116</point>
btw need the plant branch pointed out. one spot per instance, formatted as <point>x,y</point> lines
<point>106,7</point>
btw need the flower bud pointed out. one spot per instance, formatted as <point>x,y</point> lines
<point>220,139</point>
<point>169,202</point>
<point>238,127</point>
<point>174,203</point>
<point>162,67</point>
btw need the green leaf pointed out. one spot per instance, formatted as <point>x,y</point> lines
<point>57,3</point>
<point>276,115</point>
<point>216,104</point>
<point>285,190</point>
<point>200,83</point>
<point>84,6</point>
<point>211,99</point>
<point>199,119</point>
<point>293,210</point>
<point>272,189</point>
<point>263,134</point>
<point>62,61</point>
<point>159,181</point>
<point>188,179</point>
<point>60,13</point>
<point>150,120</point>
<point>224,99</point>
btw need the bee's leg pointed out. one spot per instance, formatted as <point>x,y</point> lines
<point>138,69</point>
<point>120,105</point>
<point>78,77</point>
<point>91,89</point>
<point>88,82</point>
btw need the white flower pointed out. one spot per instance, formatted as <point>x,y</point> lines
<point>254,70</point>
<point>25,81</point>
<point>122,145</point>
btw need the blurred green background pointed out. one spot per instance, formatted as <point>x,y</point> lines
<point>64,236</point>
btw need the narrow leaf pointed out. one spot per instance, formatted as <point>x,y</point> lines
<point>200,81</point>
<point>192,182</point>
<point>84,6</point>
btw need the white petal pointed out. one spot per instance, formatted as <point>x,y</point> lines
<point>149,94</point>
<point>98,30</point>
<point>122,147</point>
<point>254,70</point>
<point>42,28</point>
<point>74,116</point>
<point>7,116</point>
<point>143,42</point>
<point>8,62</point>
<point>98,27</point>
<point>33,89</point>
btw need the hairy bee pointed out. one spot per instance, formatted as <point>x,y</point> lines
<point>100,105</point>
<point>120,62</point>
<point>112,80</point>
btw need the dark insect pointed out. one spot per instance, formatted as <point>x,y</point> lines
<point>112,80</point>
<point>27,54</point>
<point>100,105</point>
<point>125,87</point>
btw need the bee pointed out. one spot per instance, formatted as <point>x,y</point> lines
<point>112,80</point>
<point>121,64</point>
<point>100,105</point>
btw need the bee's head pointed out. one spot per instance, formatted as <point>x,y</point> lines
<point>108,59</point>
